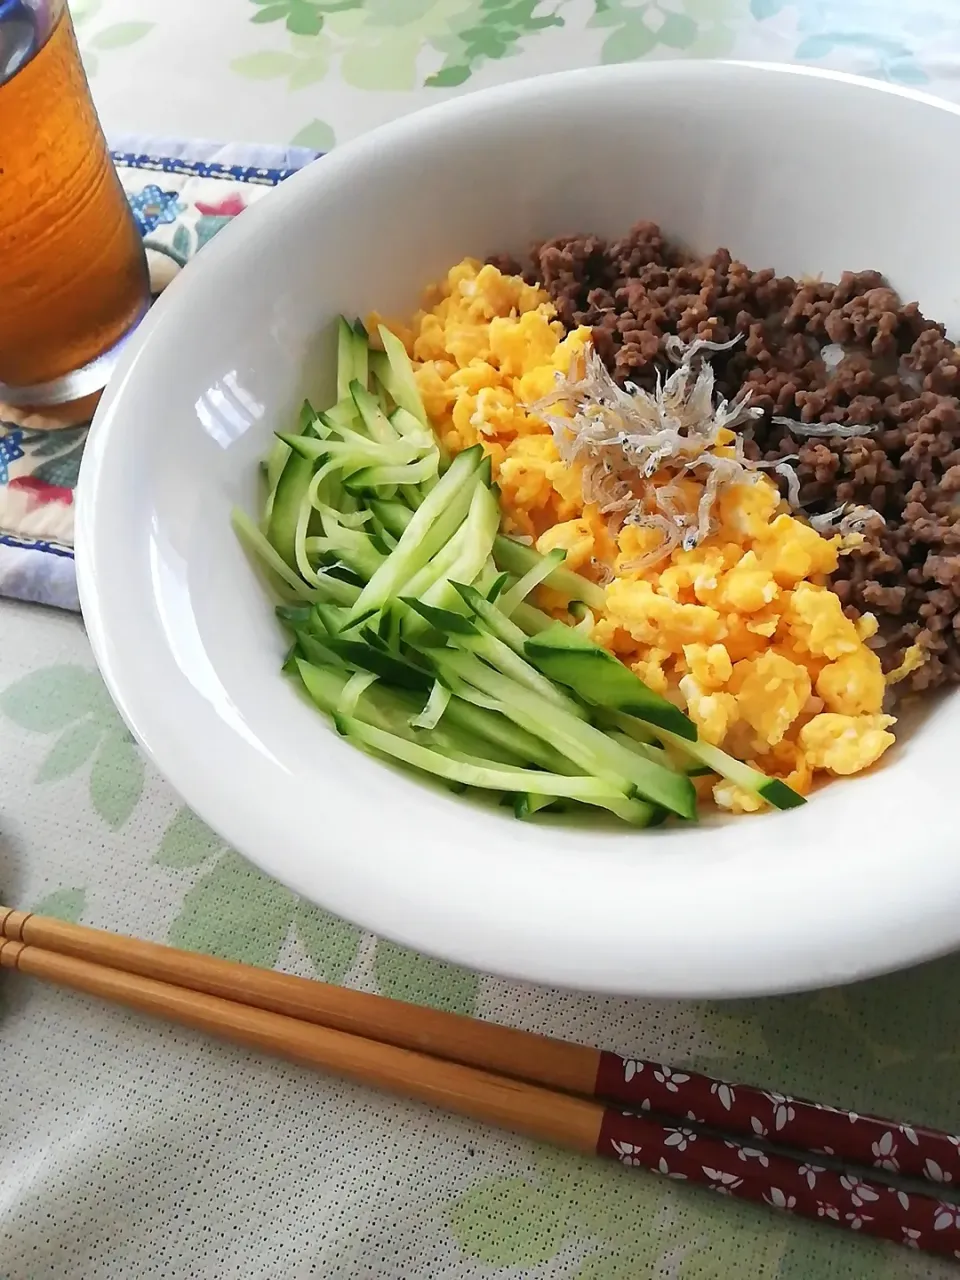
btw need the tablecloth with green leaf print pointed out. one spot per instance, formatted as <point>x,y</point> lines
<point>131,1149</point>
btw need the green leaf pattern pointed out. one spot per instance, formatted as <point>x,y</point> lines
<point>120,34</point>
<point>331,943</point>
<point>232,910</point>
<point>70,701</point>
<point>187,842</point>
<point>508,1222</point>
<point>638,28</point>
<point>404,975</point>
<point>316,134</point>
<point>236,912</point>
<point>62,904</point>
<point>93,43</point>
<point>400,45</point>
<point>72,749</point>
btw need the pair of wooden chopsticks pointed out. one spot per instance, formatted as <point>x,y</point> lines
<point>644,1114</point>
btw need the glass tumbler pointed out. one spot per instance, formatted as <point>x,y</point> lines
<point>73,275</point>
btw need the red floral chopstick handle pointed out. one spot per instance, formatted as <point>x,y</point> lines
<point>917,1221</point>
<point>867,1141</point>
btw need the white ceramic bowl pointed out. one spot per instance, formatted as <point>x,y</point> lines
<point>806,172</point>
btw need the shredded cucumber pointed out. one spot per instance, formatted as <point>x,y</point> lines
<point>435,706</point>
<point>531,579</point>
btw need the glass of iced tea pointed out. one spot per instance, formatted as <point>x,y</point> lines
<point>73,276</point>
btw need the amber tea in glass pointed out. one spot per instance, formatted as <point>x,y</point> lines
<point>73,276</point>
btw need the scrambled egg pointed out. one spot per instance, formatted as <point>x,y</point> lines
<point>741,631</point>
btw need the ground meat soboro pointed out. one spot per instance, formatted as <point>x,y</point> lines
<point>849,353</point>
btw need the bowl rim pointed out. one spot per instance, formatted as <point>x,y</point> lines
<point>791,971</point>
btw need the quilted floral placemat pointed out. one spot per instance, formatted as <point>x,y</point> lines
<point>181,195</point>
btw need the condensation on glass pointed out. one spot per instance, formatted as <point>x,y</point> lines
<point>73,276</point>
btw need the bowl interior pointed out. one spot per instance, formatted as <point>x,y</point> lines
<point>802,172</point>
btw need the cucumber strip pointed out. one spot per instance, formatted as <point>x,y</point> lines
<point>453,742</point>
<point>343,416</point>
<point>361,354</point>
<point>398,377</point>
<point>629,725</point>
<point>773,790</point>
<point>320,485</point>
<point>497,586</point>
<point>276,459</point>
<point>667,755</point>
<point>380,376</point>
<point>526,805</point>
<point>366,657</point>
<point>337,591</point>
<point>374,419</point>
<point>413,494</point>
<point>280,452</point>
<point>441,563</point>
<point>638,813</point>
<point>292,487</point>
<point>254,541</point>
<point>353,435</point>
<point>646,749</point>
<point>505,660</point>
<point>635,812</point>
<point>585,745</point>
<point>434,708</point>
<point>386,708</point>
<point>394,516</point>
<point>350,695</point>
<point>489,642</point>
<point>406,424</point>
<point>531,579</point>
<point>479,773</point>
<point>358,622</point>
<point>315,651</point>
<point>531,620</point>
<point>407,474</point>
<point>572,659</point>
<point>293,616</point>
<point>340,544</point>
<point>345,361</point>
<point>330,618</point>
<point>496,622</point>
<point>470,696</point>
<point>426,532</point>
<point>443,619</point>
<point>313,626</point>
<point>349,446</point>
<point>301,558</point>
<point>517,558</point>
<point>583,618</point>
<point>491,726</point>
<point>357,552</point>
<point>348,519</point>
<point>382,534</point>
<point>479,530</point>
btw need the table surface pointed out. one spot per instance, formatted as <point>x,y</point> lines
<point>131,1149</point>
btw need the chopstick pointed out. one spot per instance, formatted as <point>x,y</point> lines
<point>514,1079</point>
<point>741,1110</point>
